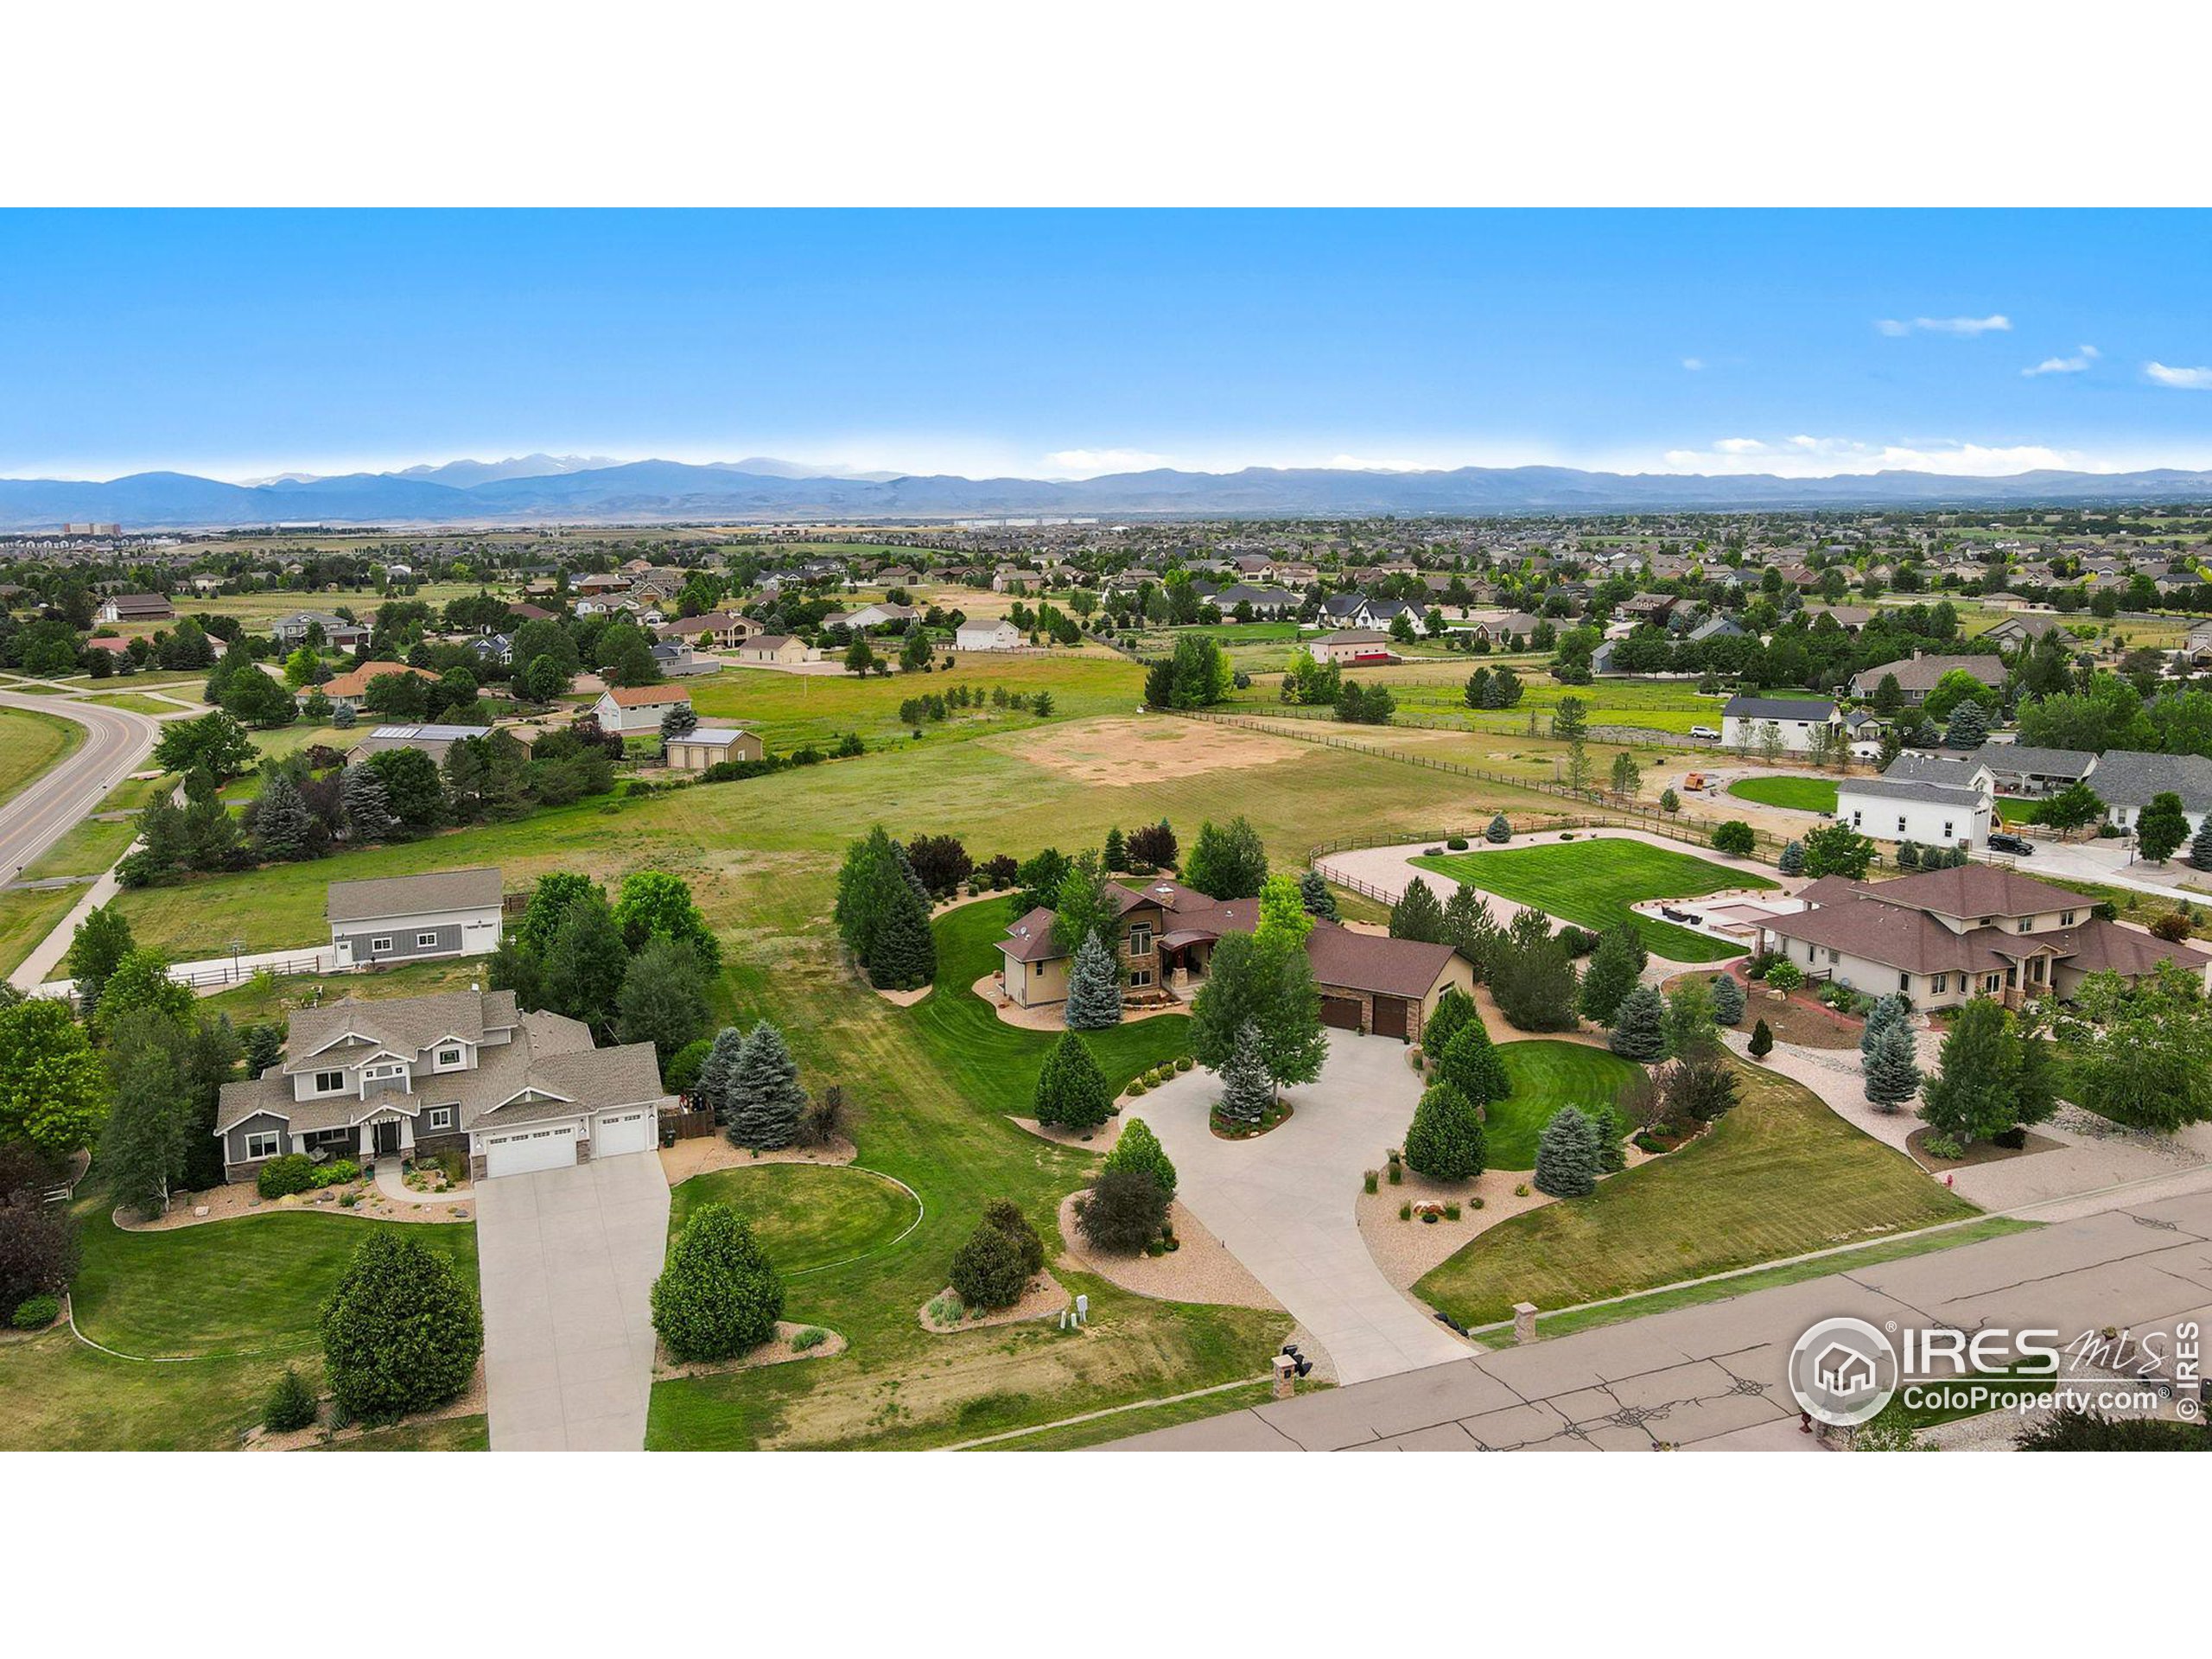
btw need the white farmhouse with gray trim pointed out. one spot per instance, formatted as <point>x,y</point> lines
<point>408,918</point>
<point>1900,809</point>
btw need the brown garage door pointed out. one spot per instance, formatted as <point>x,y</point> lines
<point>1342,1012</point>
<point>1389,1016</point>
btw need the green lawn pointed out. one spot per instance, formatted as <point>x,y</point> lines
<point>245,1292</point>
<point>90,845</point>
<point>29,743</point>
<point>1801,794</point>
<point>807,1217</point>
<point>134,701</point>
<point>1435,687</point>
<point>1545,1076</point>
<point>1780,1175</point>
<point>1594,881</point>
<point>26,918</point>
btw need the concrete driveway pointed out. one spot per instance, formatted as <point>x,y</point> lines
<point>1286,1204</point>
<point>568,1258</point>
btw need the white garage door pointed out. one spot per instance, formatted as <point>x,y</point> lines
<point>519,1152</point>
<point>620,1132</point>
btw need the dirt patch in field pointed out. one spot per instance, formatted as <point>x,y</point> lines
<point>1121,753</point>
<point>702,1153</point>
<point>1043,1299</point>
<point>776,1351</point>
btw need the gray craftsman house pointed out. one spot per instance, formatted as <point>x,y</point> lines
<point>460,1070</point>
<point>407,917</point>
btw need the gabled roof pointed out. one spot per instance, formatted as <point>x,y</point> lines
<point>1961,795</point>
<point>2131,777</point>
<point>647,697</point>
<point>387,897</point>
<point>1748,707</point>
<point>2020,757</point>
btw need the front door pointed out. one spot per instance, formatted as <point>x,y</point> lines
<point>386,1138</point>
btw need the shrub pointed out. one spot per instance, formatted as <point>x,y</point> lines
<point>291,1405</point>
<point>1446,1142</point>
<point>1520,1190</point>
<point>401,1332</point>
<point>1942,1146</point>
<point>1567,1155</point>
<point>718,1297</point>
<point>988,1270</point>
<point>1006,1215</point>
<point>2173,927</point>
<point>1785,975</point>
<point>1123,1213</point>
<point>1762,1041</point>
<point>336,1173</point>
<point>35,1312</point>
<point>1456,843</point>
<point>1735,838</point>
<point>1135,1088</point>
<point>806,1341</point>
<point>1451,1209</point>
<point>1499,829</point>
<point>1406,1210</point>
<point>1372,1181</point>
<point>282,1177</point>
<point>1183,1062</point>
<point>946,1308</point>
<point>823,1119</point>
<point>1646,1142</point>
<point>1139,1148</point>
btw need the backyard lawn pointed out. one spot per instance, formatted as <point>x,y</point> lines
<point>1800,794</point>
<point>806,1216</point>
<point>1545,1076</point>
<point>1778,1176</point>
<point>1594,882</point>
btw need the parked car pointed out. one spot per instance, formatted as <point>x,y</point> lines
<point>1706,732</point>
<point>2001,842</point>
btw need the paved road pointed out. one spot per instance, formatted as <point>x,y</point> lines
<point>116,743</point>
<point>1285,1204</point>
<point>1712,1377</point>
<point>567,1258</point>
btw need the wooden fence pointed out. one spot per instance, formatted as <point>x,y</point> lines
<point>686,1125</point>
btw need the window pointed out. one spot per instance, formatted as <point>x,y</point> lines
<point>1904,981</point>
<point>1989,983</point>
<point>1948,835</point>
<point>2066,919</point>
<point>1140,978</point>
<point>426,941</point>
<point>448,1057</point>
<point>326,1137</point>
<point>1940,983</point>
<point>1834,955</point>
<point>2027,924</point>
<point>1857,819</point>
<point>438,1118</point>
<point>329,1082</point>
<point>264,1143</point>
<point>380,947</point>
<point>1140,938</point>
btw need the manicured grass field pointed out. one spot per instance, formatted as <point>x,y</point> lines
<point>136,704</point>
<point>1436,688</point>
<point>245,1292</point>
<point>806,1216</point>
<point>1545,1076</point>
<point>1800,794</point>
<point>29,743</point>
<point>1780,1175</point>
<point>1594,882</point>
<point>26,918</point>
<point>91,846</point>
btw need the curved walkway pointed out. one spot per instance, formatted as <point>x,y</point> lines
<point>393,1185</point>
<point>1286,1204</point>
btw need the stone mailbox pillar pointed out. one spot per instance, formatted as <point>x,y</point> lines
<point>1524,1322</point>
<point>1285,1376</point>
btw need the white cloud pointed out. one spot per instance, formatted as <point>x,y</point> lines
<point>1091,463</point>
<point>1693,364</point>
<point>2185,380</point>
<point>1807,456</point>
<point>1968,325</point>
<point>2077,364</point>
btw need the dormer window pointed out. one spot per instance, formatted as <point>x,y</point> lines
<point>448,1059</point>
<point>329,1082</point>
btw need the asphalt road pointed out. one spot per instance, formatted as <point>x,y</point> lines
<point>116,742</point>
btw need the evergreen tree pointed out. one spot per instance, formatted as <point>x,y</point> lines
<point>1793,859</point>
<point>1094,987</point>
<point>366,804</point>
<point>283,829</point>
<point>1453,1010</point>
<point>1728,999</point>
<point>1246,1090</point>
<point>1640,1026</point>
<point>2200,846</point>
<point>1417,915</point>
<point>1969,727</point>
<point>1762,1043</point>
<point>1313,892</point>
<point>1115,854</point>
<point>1469,930</point>
<point>264,1046</point>
<point>1139,1149</point>
<point>1499,831</point>
<point>765,1097</point>
<point>1892,1067</point>
<point>1605,1124</point>
<point>1445,1142</point>
<point>1567,1159</point>
<point>1471,1063</point>
<point>1886,1012</point>
<point>712,1091</point>
<point>903,957</point>
<point>1610,975</point>
<point>1071,1091</point>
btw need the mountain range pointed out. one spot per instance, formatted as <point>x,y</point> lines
<point>536,489</point>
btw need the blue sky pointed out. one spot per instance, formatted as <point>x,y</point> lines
<point>239,344</point>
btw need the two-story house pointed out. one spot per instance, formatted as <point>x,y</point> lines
<point>460,1070</point>
<point>1164,935</point>
<point>1948,936</point>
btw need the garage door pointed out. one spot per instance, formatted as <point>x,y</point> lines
<point>523,1150</point>
<point>1389,1016</point>
<point>620,1132</point>
<point>1342,1012</point>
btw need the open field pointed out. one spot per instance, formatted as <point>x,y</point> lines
<point>29,743</point>
<point>1780,1175</point>
<point>1800,794</point>
<point>91,846</point>
<point>1594,882</point>
<point>1545,1076</point>
<point>136,703</point>
<point>244,1294</point>
<point>792,711</point>
<point>1436,688</point>
<point>26,917</point>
